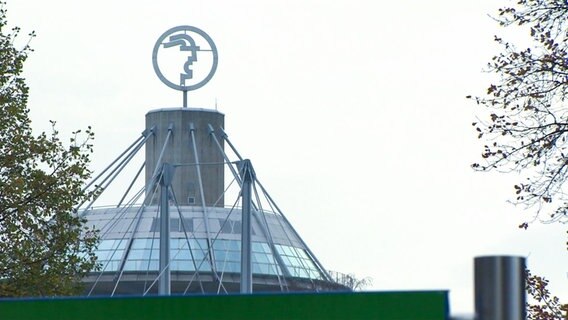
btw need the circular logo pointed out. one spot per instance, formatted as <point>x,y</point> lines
<point>185,58</point>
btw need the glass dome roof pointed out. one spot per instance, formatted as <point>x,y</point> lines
<point>185,166</point>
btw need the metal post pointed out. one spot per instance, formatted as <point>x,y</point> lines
<point>165,183</point>
<point>185,98</point>
<point>247,174</point>
<point>203,204</point>
<point>500,288</point>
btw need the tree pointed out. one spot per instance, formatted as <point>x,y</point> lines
<point>544,306</point>
<point>350,280</point>
<point>526,125</point>
<point>45,249</point>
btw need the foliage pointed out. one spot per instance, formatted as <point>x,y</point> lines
<point>44,247</point>
<point>350,280</point>
<point>526,127</point>
<point>544,306</point>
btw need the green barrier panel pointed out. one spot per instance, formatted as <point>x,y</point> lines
<point>427,305</point>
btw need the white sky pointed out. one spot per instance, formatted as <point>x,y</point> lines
<point>352,112</point>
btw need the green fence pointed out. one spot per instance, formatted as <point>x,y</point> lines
<point>422,305</point>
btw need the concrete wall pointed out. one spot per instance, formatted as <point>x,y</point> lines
<point>179,150</point>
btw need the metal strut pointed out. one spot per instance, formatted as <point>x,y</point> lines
<point>203,205</point>
<point>247,174</point>
<point>255,212</point>
<point>131,150</point>
<point>164,288</point>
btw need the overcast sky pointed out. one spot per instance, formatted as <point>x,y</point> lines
<point>352,112</point>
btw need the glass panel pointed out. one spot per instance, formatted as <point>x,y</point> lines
<point>110,266</point>
<point>175,265</point>
<point>265,268</point>
<point>198,255</point>
<point>103,255</point>
<point>137,254</point>
<point>257,247</point>
<point>183,265</point>
<point>261,257</point>
<point>115,255</point>
<point>298,262</point>
<point>146,243</point>
<point>302,273</point>
<point>203,266</point>
<point>275,269</point>
<point>219,245</point>
<point>183,243</point>
<point>180,254</point>
<point>303,254</point>
<point>288,251</point>
<point>198,244</point>
<point>141,265</point>
<point>294,261</point>
<point>106,244</point>
<point>233,256</point>
<point>220,255</point>
<point>232,267</point>
<point>143,254</point>
<point>112,244</point>
<point>234,245</point>
<point>130,265</point>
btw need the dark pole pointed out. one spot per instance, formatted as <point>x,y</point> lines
<point>500,288</point>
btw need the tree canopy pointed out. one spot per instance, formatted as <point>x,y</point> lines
<point>526,121</point>
<point>544,305</point>
<point>45,249</point>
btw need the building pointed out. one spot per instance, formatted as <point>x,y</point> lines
<point>182,232</point>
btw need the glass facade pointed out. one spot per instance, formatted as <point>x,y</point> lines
<point>181,256</point>
<point>298,262</point>
<point>227,255</point>
<point>263,262</point>
<point>144,256</point>
<point>110,254</point>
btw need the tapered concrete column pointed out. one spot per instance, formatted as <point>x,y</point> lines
<point>180,150</point>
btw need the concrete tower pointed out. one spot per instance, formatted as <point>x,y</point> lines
<point>190,143</point>
<point>175,234</point>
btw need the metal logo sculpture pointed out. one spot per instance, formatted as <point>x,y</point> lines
<point>196,48</point>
